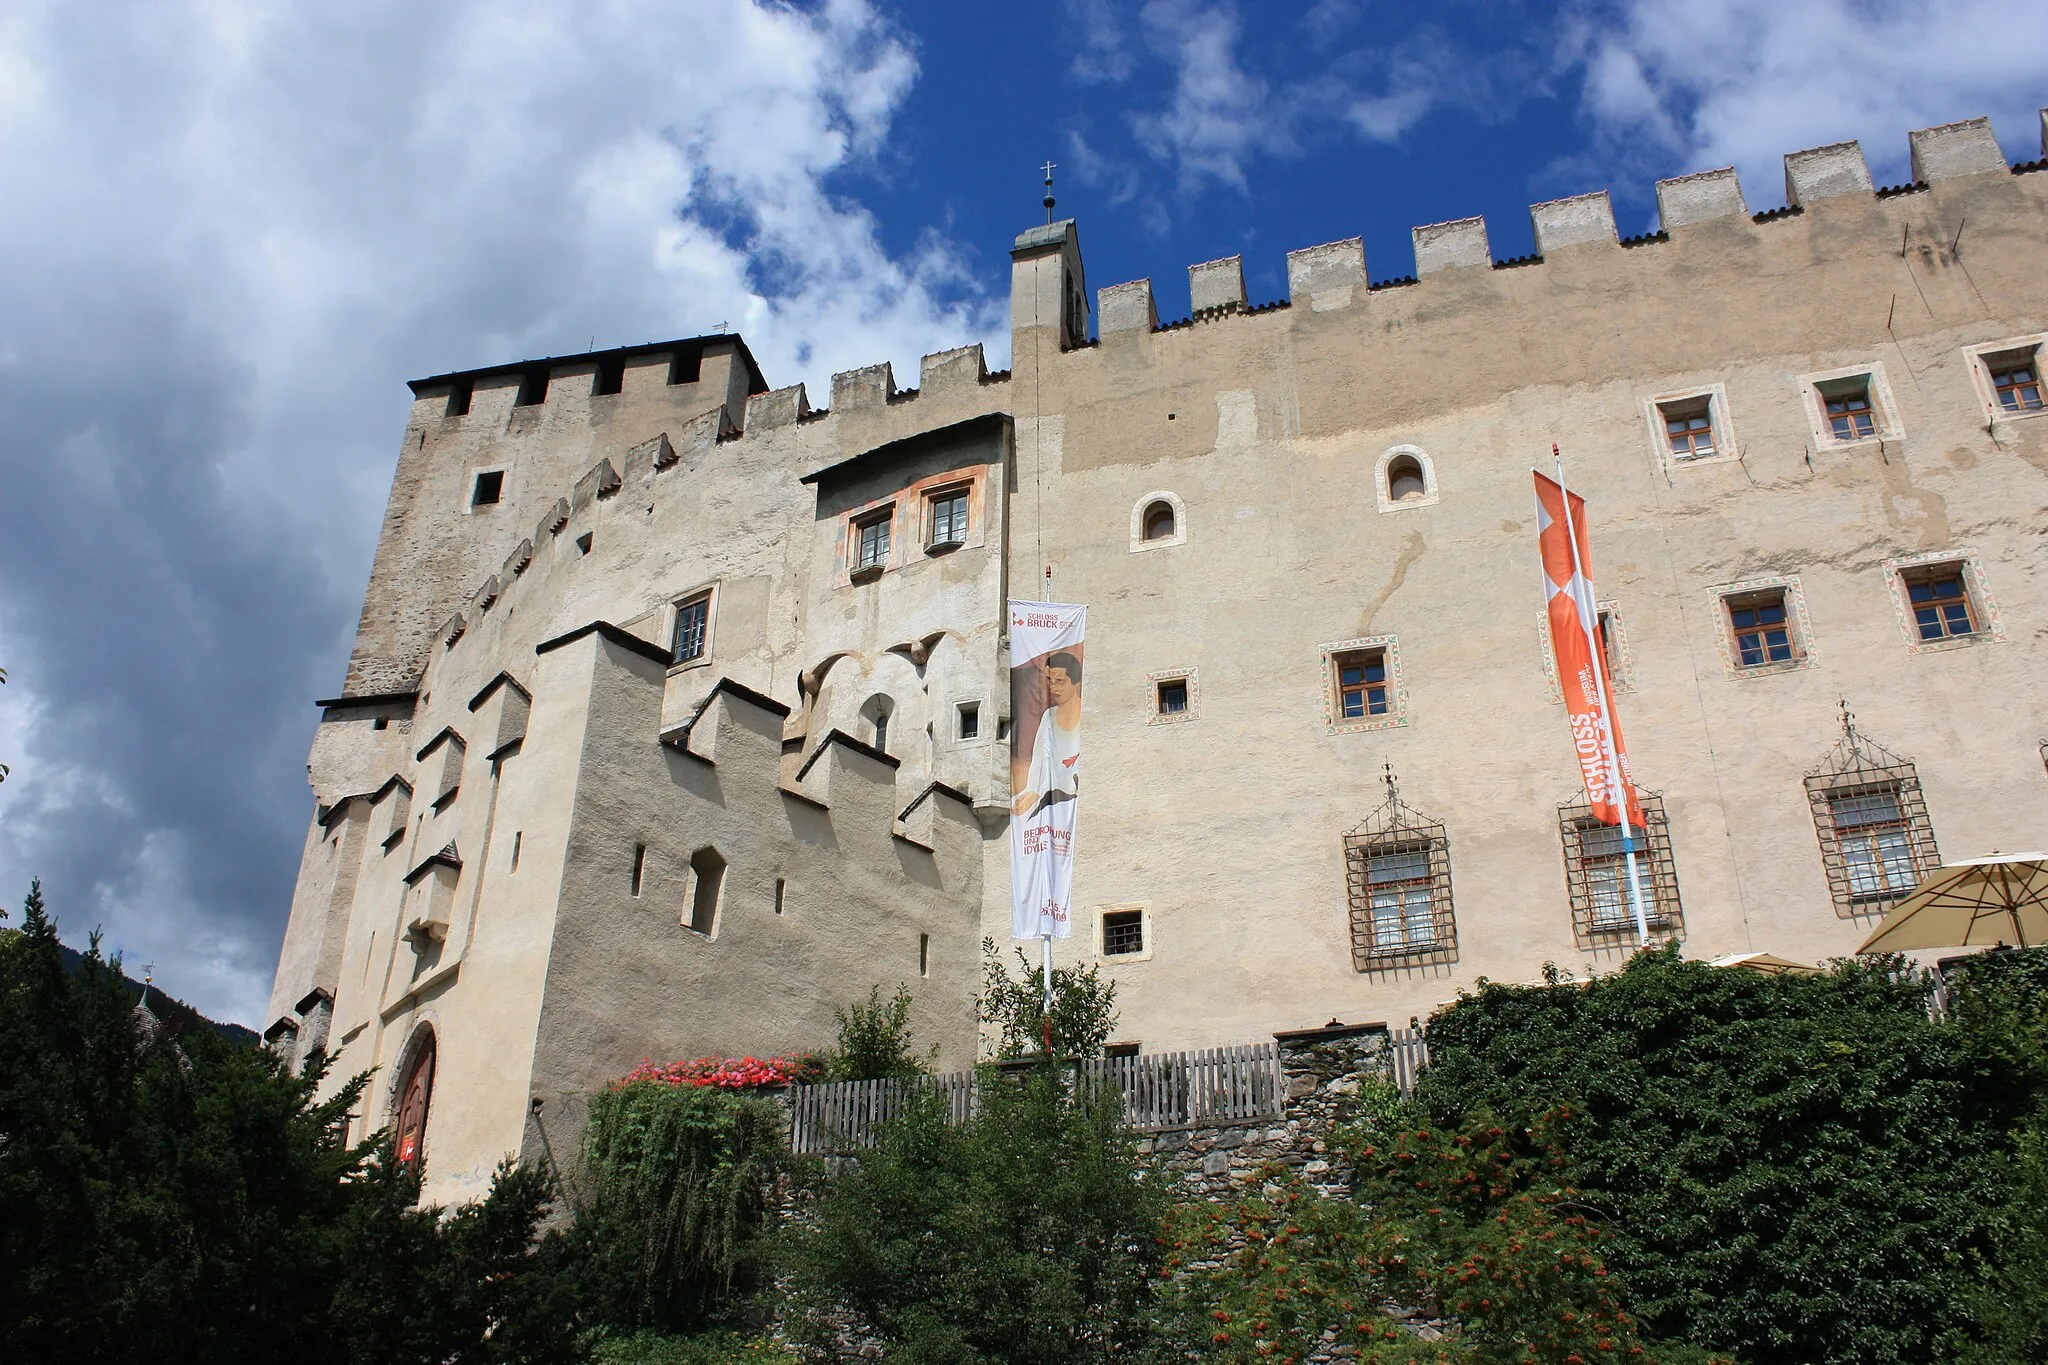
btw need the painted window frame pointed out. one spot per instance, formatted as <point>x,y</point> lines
<point>1396,715</point>
<point>1143,909</point>
<point>1888,424</point>
<point>1383,493</point>
<point>1155,680</point>
<point>1721,423</point>
<point>1179,535</point>
<point>1983,605</point>
<point>1978,357</point>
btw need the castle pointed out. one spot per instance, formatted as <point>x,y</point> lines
<point>676,713</point>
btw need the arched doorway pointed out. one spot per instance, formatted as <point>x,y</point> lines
<point>415,1091</point>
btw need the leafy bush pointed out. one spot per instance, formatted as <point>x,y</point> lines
<point>874,1040</point>
<point>1477,1225</point>
<point>681,1177</point>
<point>1025,1235</point>
<point>1795,1169</point>
<point>1083,1007</point>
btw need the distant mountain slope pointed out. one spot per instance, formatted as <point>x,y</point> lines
<point>176,1013</point>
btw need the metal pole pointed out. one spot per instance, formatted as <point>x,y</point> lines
<point>1045,1011</point>
<point>1628,838</point>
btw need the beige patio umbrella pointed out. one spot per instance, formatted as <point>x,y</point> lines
<point>1768,963</point>
<point>1976,903</point>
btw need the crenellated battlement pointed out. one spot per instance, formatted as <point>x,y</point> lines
<point>1325,276</point>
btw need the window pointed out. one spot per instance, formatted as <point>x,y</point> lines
<point>881,722</point>
<point>639,867</point>
<point>2016,380</point>
<point>585,541</point>
<point>1361,684</point>
<point>488,488</point>
<point>1939,597</point>
<point>692,619</point>
<point>1123,933</point>
<point>969,715</point>
<point>1596,873</point>
<point>516,837</point>
<point>707,879</point>
<point>1159,521</point>
<point>459,395</point>
<point>533,388</point>
<point>610,378</point>
<point>924,954</point>
<point>871,544</point>
<point>781,891</point>
<point>1847,407</point>
<point>1397,868</point>
<point>1876,842</point>
<point>1609,630</point>
<point>948,519</point>
<point>1762,627</point>
<point>686,367</point>
<point>1405,481</point>
<point>1171,697</point>
<point>1876,845</point>
<point>1688,427</point>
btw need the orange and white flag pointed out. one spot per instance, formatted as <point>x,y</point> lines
<point>1581,660</point>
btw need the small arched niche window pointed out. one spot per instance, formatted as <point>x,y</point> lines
<point>415,1092</point>
<point>1406,479</point>
<point>1158,519</point>
<point>707,881</point>
<point>876,712</point>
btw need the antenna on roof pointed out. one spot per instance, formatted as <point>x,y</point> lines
<point>719,327</point>
<point>1048,169</point>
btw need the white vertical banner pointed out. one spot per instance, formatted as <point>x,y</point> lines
<point>1046,648</point>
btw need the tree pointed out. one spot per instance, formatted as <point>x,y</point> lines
<point>168,1198</point>
<point>1083,1007</point>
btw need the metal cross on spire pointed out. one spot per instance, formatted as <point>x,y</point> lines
<point>1048,169</point>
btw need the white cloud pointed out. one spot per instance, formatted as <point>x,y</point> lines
<point>247,225</point>
<point>1744,82</point>
<point>1220,115</point>
<point>1101,54</point>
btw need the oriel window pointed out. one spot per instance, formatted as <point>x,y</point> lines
<point>873,547</point>
<point>949,518</point>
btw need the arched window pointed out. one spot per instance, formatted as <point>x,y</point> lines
<point>1404,479</point>
<point>414,1094</point>
<point>876,712</point>
<point>1159,520</point>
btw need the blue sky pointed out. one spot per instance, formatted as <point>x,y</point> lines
<point>233,229</point>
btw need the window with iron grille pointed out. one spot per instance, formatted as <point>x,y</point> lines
<point>1939,597</point>
<point>1361,684</point>
<point>1876,842</point>
<point>1397,869</point>
<point>949,517</point>
<point>1596,874</point>
<point>872,545</point>
<point>1762,627</point>
<point>692,617</point>
<point>1689,427</point>
<point>1123,933</point>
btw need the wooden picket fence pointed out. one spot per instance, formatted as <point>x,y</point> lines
<point>1408,1052</point>
<point>1161,1091</point>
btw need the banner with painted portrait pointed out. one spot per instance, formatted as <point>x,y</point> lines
<point>1046,650</point>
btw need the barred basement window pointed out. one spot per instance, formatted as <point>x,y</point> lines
<point>1123,933</point>
<point>1397,874</point>
<point>1876,842</point>
<point>1596,874</point>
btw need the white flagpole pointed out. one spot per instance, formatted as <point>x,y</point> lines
<point>1621,783</point>
<point>1045,1009</point>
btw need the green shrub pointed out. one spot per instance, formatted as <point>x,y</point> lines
<point>1025,1235</point>
<point>681,1177</point>
<point>1795,1169</point>
<point>874,1040</point>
